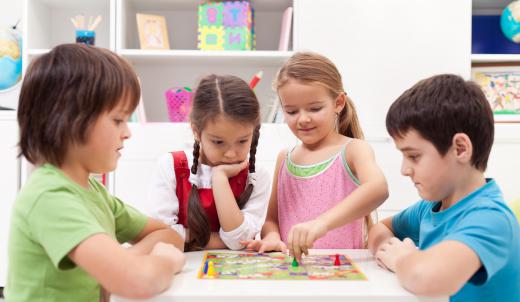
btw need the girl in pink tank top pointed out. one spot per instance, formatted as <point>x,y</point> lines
<point>324,187</point>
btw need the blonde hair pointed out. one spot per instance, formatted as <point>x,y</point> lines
<point>310,67</point>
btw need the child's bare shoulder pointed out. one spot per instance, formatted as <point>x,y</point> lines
<point>358,147</point>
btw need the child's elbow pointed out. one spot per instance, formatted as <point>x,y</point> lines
<point>384,191</point>
<point>147,282</point>
<point>427,282</point>
<point>140,292</point>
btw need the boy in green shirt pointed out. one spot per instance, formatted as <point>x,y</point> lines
<point>66,229</point>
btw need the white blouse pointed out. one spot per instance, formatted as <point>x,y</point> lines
<point>164,204</point>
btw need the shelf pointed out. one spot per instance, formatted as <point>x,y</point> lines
<point>265,5</point>
<point>74,4</point>
<point>259,57</point>
<point>47,22</point>
<point>489,7</point>
<point>495,58</point>
<point>7,115</point>
<point>182,22</point>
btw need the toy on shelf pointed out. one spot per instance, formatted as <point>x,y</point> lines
<point>510,21</point>
<point>227,25</point>
<point>85,33</point>
<point>178,103</point>
<point>10,57</point>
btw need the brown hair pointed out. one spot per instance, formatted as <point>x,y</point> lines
<point>215,95</point>
<point>309,67</point>
<point>64,92</point>
<point>441,106</point>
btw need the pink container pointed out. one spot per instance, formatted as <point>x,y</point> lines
<point>178,103</point>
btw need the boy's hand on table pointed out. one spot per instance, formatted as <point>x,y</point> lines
<point>170,252</point>
<point>301,237</point>
<point>391,251</point>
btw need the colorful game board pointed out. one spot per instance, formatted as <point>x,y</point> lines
<point>277,266</point>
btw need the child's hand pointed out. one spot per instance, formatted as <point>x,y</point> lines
<point>391,251</point>
<point>265,245</point>
<point>301,237</point>
<point>170,252</point>
<point>229,170</point>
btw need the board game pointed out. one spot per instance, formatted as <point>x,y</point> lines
<point>277,266</point>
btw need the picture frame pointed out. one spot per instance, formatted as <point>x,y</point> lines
<point>153,33</point>
<point>501,85</point>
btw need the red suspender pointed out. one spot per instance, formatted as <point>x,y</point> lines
<point>183,188</point>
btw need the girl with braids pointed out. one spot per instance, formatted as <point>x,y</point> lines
<point>323,187</point>
<point>215,197</point>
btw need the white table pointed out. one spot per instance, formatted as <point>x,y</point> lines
<point>381,286</point>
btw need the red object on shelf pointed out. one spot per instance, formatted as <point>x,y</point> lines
<point>256,79</point>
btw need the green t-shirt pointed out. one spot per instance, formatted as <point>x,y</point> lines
<point>50,217</point>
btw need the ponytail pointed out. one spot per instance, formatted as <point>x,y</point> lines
<point>348,122</point>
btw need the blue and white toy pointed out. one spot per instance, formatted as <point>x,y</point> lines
<point>510,21</point>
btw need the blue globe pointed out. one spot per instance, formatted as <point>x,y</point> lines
<point>510,21</point>
<point>10,58</point>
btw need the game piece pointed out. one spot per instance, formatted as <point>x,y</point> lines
<point>211,269</point>
<point>294,262</point>
<point>336,261</point>
<point>205,267</point>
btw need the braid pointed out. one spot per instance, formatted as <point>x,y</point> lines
<point>252,152</point>
<point>244,197</point>
<point>196,152</point>
<point>198,223</point>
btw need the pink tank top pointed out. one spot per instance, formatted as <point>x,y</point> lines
<point>304,198</point>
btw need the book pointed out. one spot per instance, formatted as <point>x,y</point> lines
<point>285,30</point>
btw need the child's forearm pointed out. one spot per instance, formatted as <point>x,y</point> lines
<point>215,242</point>
<point>359,203</point>
<point>442,269</point>
<point>378,234</point>
<point>270,229</point>
<point>229,213</point>
<point>155,274</point>
<point>145,245</point>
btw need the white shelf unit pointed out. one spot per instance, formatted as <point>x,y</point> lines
<point>184,65</point>
<point>159,71</point>
<point>47,23</point>
<point>492,7</point>
<point>495,58</point>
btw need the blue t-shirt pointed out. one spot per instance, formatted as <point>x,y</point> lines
<point>483,222</point>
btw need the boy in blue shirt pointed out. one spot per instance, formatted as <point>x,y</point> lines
<point>467,237</point>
